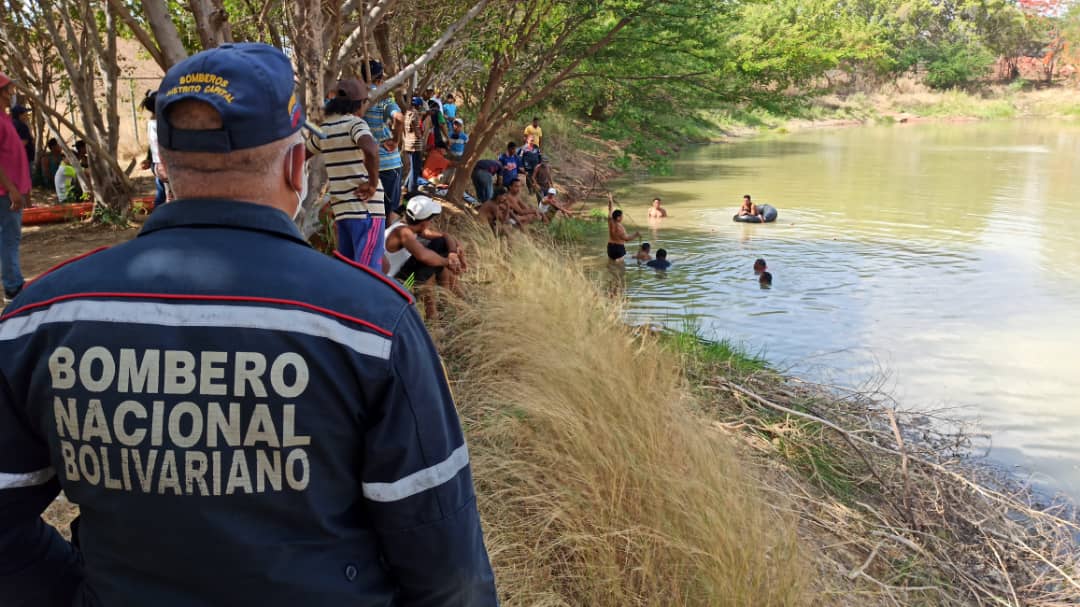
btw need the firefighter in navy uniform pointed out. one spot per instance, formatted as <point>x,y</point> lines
<point>241,420</point>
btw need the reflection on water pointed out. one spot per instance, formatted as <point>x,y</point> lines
<point>946,255</point>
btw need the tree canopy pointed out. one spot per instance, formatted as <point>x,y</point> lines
<point>621,62</point>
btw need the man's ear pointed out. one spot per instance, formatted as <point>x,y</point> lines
<point>294,167</point>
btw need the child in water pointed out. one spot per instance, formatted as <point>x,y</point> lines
<point>765,280</point>
<point>760,266</point>
<point>643,253</point>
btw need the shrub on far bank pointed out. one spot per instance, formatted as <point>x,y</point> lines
<point>957,65</point>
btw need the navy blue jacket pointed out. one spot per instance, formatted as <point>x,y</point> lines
<point>241,420</point>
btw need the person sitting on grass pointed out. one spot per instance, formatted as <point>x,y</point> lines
<point>66,183</point>
<point>643,253</point>
<point>496,213</point>
<point>414,248</point>
<point>661,262</point>
<point>522,212</point>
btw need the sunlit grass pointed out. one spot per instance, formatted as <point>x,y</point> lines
<point>600,483</point>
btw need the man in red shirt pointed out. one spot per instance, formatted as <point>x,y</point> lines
<point>14,187</point>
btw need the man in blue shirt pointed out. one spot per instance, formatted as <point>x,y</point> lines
<point>386,121</point>
<point>449,108</point>
<point>510,162</point>
<point>241,419</point>
<point>458,139</point>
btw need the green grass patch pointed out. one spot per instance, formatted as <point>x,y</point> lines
<point>960,104</point>
<point>572,230</point>
<point>703,352</point>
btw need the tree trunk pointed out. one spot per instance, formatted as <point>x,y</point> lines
<point>165,32</point>
<point>310,52</point>
<point>109,185</point>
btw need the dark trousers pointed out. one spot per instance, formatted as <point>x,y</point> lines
<point>484,184</point>
<point>416,170</point>
<point>391,185</point>
<point>418,270</point>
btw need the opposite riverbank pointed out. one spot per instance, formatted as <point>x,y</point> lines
<point>587,154</point>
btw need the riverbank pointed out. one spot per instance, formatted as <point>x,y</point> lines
<point>618,465</point>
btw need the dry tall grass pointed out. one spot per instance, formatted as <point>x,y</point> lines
<point>598,483</point>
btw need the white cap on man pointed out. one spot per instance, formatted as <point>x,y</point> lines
<point>552,192</point>
<point>420,208</point>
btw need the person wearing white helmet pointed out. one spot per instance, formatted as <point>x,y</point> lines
<point>415,248</point>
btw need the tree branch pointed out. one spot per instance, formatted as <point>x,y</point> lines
<point>432,51</point>
<point>140,32</point>
<point>165,32</point>
<point>370,21</point>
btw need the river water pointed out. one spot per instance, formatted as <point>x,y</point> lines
<point>942,260</point>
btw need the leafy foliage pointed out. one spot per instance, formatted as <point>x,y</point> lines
<point>957,65</point>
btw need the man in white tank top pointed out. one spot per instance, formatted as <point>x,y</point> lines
<point>415,248</point>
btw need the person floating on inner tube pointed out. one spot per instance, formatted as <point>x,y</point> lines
<point>748,208</point>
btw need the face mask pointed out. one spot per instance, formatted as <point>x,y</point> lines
<point>302,194</point>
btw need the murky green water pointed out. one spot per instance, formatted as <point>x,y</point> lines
<point>944,259</point>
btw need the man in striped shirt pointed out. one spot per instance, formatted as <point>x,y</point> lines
<point>386,121</point>
<point>351,155</point>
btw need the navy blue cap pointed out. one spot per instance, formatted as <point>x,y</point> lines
<point>249,84</point>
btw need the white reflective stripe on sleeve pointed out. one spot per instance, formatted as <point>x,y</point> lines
<point>199,315</point>
<point>9,480</point>
<point>419,481</point>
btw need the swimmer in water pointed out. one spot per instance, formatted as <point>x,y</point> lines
<point>657,211</point>
<point>760,266</point>
<point>661,262</point>
<point>643,253</point>
<point>765,280</point>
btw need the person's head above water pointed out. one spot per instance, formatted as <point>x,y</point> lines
<point>661,254</point>
<point>759,266</point>
<point>746,198</point>
<point>617,215</point>
<point>646,247</point>
<point>238,138</point>
<point>764,280</point>
<point>655,203</point>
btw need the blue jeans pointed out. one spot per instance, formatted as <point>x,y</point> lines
<point>391,185</point>
<point>416,170</point>
<point>10,235</point>
<point>483,181</point>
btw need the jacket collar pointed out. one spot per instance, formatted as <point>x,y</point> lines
<point>219,213</point>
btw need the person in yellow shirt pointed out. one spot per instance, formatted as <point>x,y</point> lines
<point>535,130</point>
